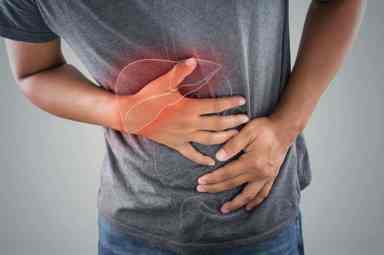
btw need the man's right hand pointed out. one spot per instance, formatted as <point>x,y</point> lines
<point>161,113</point>
<point>61,89</point>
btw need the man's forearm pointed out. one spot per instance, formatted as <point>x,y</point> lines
<point>328,33</point>
<point>65,92</point>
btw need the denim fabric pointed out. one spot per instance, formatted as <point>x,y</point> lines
<point>287,242</point>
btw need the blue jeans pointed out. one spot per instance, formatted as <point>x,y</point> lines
<point>288,242</point>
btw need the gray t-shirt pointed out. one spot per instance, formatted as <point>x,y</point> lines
<point>148,189</point>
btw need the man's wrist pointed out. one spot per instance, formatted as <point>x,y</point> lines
<point>288,128</point>
<point>118,106</point>
<point>114,113</point>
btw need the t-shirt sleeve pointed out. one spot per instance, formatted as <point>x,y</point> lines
<point>21,20</point>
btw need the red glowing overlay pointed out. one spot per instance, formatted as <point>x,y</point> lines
<point>134,77</point>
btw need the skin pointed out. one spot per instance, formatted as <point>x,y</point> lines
<point>328,34</point>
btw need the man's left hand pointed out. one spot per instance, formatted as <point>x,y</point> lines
<point>265,146</point>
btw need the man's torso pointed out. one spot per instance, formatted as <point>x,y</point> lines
<point>146,186</point>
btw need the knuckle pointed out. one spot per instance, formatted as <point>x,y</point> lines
<point>254,162</point>
<point>221,176</point>
<point>213,179</point>
<point>232,183</point>
<point>183,123</point>
<point>261,165</point>
<point>213,188</point>
<point>210,139</point>
<point>189,108</point>
<point>265,171</point>
<point>217,123</point>
<point>247,198</point>
<point>199,105</point>
<point>189,122</point>
<point>192,106</point>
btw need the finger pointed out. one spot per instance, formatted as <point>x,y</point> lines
<point>216,105</point>
<point>226,185</point>
<point>229,171</point>
<point>260,197</point>
<point>176,75</point>
<point>209,138</point>
<point>217,123</point>
<point>234,146</point>
<point>191,153</point>
<point>248,193</point>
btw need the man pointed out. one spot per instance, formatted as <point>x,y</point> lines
<point>202,113</point>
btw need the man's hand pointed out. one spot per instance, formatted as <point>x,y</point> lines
<point>58,88</point>
<point>161,113</point>
<point>266,140</point>
<point>265,146</point>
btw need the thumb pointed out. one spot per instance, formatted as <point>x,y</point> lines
<point>171,79</point>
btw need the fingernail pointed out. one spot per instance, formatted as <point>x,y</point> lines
<point>190,61</point>
<point>242,101</point>
<point>201,180</point>
<point>221,155</point>
<point>248,208</point>
<point>224,210</point>
<point>200,188</point>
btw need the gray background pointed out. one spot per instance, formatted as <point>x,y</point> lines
<point>50,166</point>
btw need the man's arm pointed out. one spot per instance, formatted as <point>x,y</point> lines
<point>328,34</point>
<point>57,87</point>
<point>329,31</point>
<point>60,89</point>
